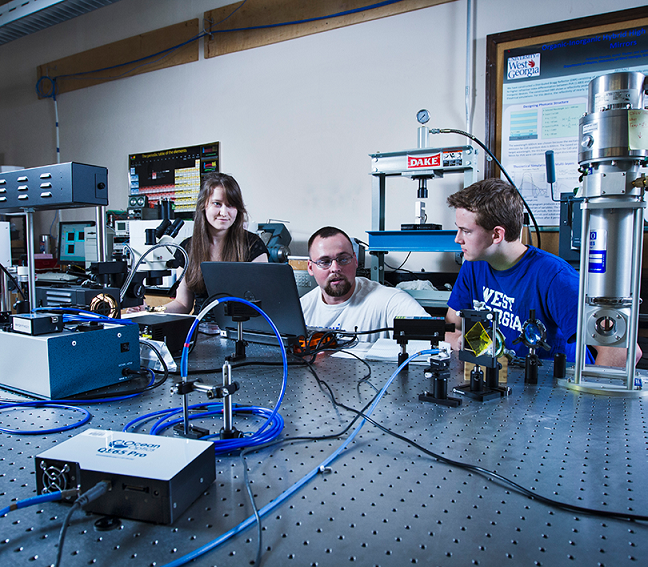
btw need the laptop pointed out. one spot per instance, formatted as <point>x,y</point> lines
<point>273,284</point>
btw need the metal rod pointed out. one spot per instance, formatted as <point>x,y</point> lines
<point>633,325</point>
<point>185,410</point>
<point>581,344</point>
<point>100,216</point>
<point>378,224</point>
<point>5,300</point>
<point>469,65</point>
<point>607,372</point>
<point>31,262</point>
<point>227,401</point>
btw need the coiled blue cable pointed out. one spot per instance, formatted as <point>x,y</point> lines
<point>86,417</point>
<point>276,425</point>
<point>274,422</point>
<point>62,404</point>
<point>295,487</point>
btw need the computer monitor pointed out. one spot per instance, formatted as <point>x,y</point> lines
<point>71,243</point>
<point>273,284</point>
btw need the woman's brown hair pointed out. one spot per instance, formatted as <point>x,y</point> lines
<point>234,246</point>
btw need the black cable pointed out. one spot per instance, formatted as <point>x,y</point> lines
<point>552,195</point>
<point>483,146</point>
<point>399,267</point>
<point>323,345</point>
<point>298,362</point>
<point>493,475</point>
<point>347,333</point>
<point>13,281</point>
<point>91,495</point>
<point>134,391</point>
<point>480,470</point>
<point>244,452</point>
<point>257,516</point>
<point>63,531</point>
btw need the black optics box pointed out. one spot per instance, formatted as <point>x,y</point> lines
<point>152,478</point>
<point>168,328</point>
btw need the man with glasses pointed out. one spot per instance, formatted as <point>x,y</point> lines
<point>344,301</point>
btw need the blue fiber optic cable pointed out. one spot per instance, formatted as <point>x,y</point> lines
<point>308,20</point>
<point>86,315</point>
<point>61,405</point>
<point>148,59</point>
<point>34,500</point>
<point>295,487</point>
<point>86,417</point>
<point>231,444</point>
<point>224,446</point>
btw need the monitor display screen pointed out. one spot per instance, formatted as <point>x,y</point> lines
<point>71,243</point>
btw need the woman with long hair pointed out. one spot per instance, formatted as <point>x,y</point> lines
<point>218,236</point>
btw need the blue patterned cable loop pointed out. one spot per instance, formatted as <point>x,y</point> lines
<point>23,405</point>
<point>273,424</point>
<point>63,405</point>
<point>300,483</point>
<point>162,424</point>
<point>52,91</point>
<point>184,372</point>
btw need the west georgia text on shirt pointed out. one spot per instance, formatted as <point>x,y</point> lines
<point>502,304</point>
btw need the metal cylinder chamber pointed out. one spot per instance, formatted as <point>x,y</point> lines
<point>624,90</point>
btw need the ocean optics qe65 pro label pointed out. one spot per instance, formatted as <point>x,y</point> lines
<point>127,448</point>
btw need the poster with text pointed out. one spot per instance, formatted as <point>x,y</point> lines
<point>544,95</point>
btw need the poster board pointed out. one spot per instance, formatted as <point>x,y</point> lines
<point>536,91</point>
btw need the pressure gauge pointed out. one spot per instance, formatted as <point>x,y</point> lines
<point>423,116</point>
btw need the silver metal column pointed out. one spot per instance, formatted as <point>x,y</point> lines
<point>378,223</point>
<point>610,157</point>
<point>29,229</point>
<point>228,416</point>
<point>5,299</point>
<point>100,218</point>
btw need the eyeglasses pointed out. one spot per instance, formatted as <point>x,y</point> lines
<point>325,263</point>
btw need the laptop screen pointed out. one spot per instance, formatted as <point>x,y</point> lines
<point>273,284</point>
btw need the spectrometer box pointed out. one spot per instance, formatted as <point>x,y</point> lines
<point>169,328</point>
<point>152,478</point>
<point>60,186</point>
<point>57,365</point>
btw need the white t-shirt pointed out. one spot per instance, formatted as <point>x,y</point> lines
<point>372,306</point>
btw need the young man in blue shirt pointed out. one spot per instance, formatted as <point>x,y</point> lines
<point>511,277</point>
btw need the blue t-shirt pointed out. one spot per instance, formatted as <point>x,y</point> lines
<point>539,281</point>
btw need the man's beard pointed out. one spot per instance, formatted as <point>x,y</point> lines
<point>341,289</point>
